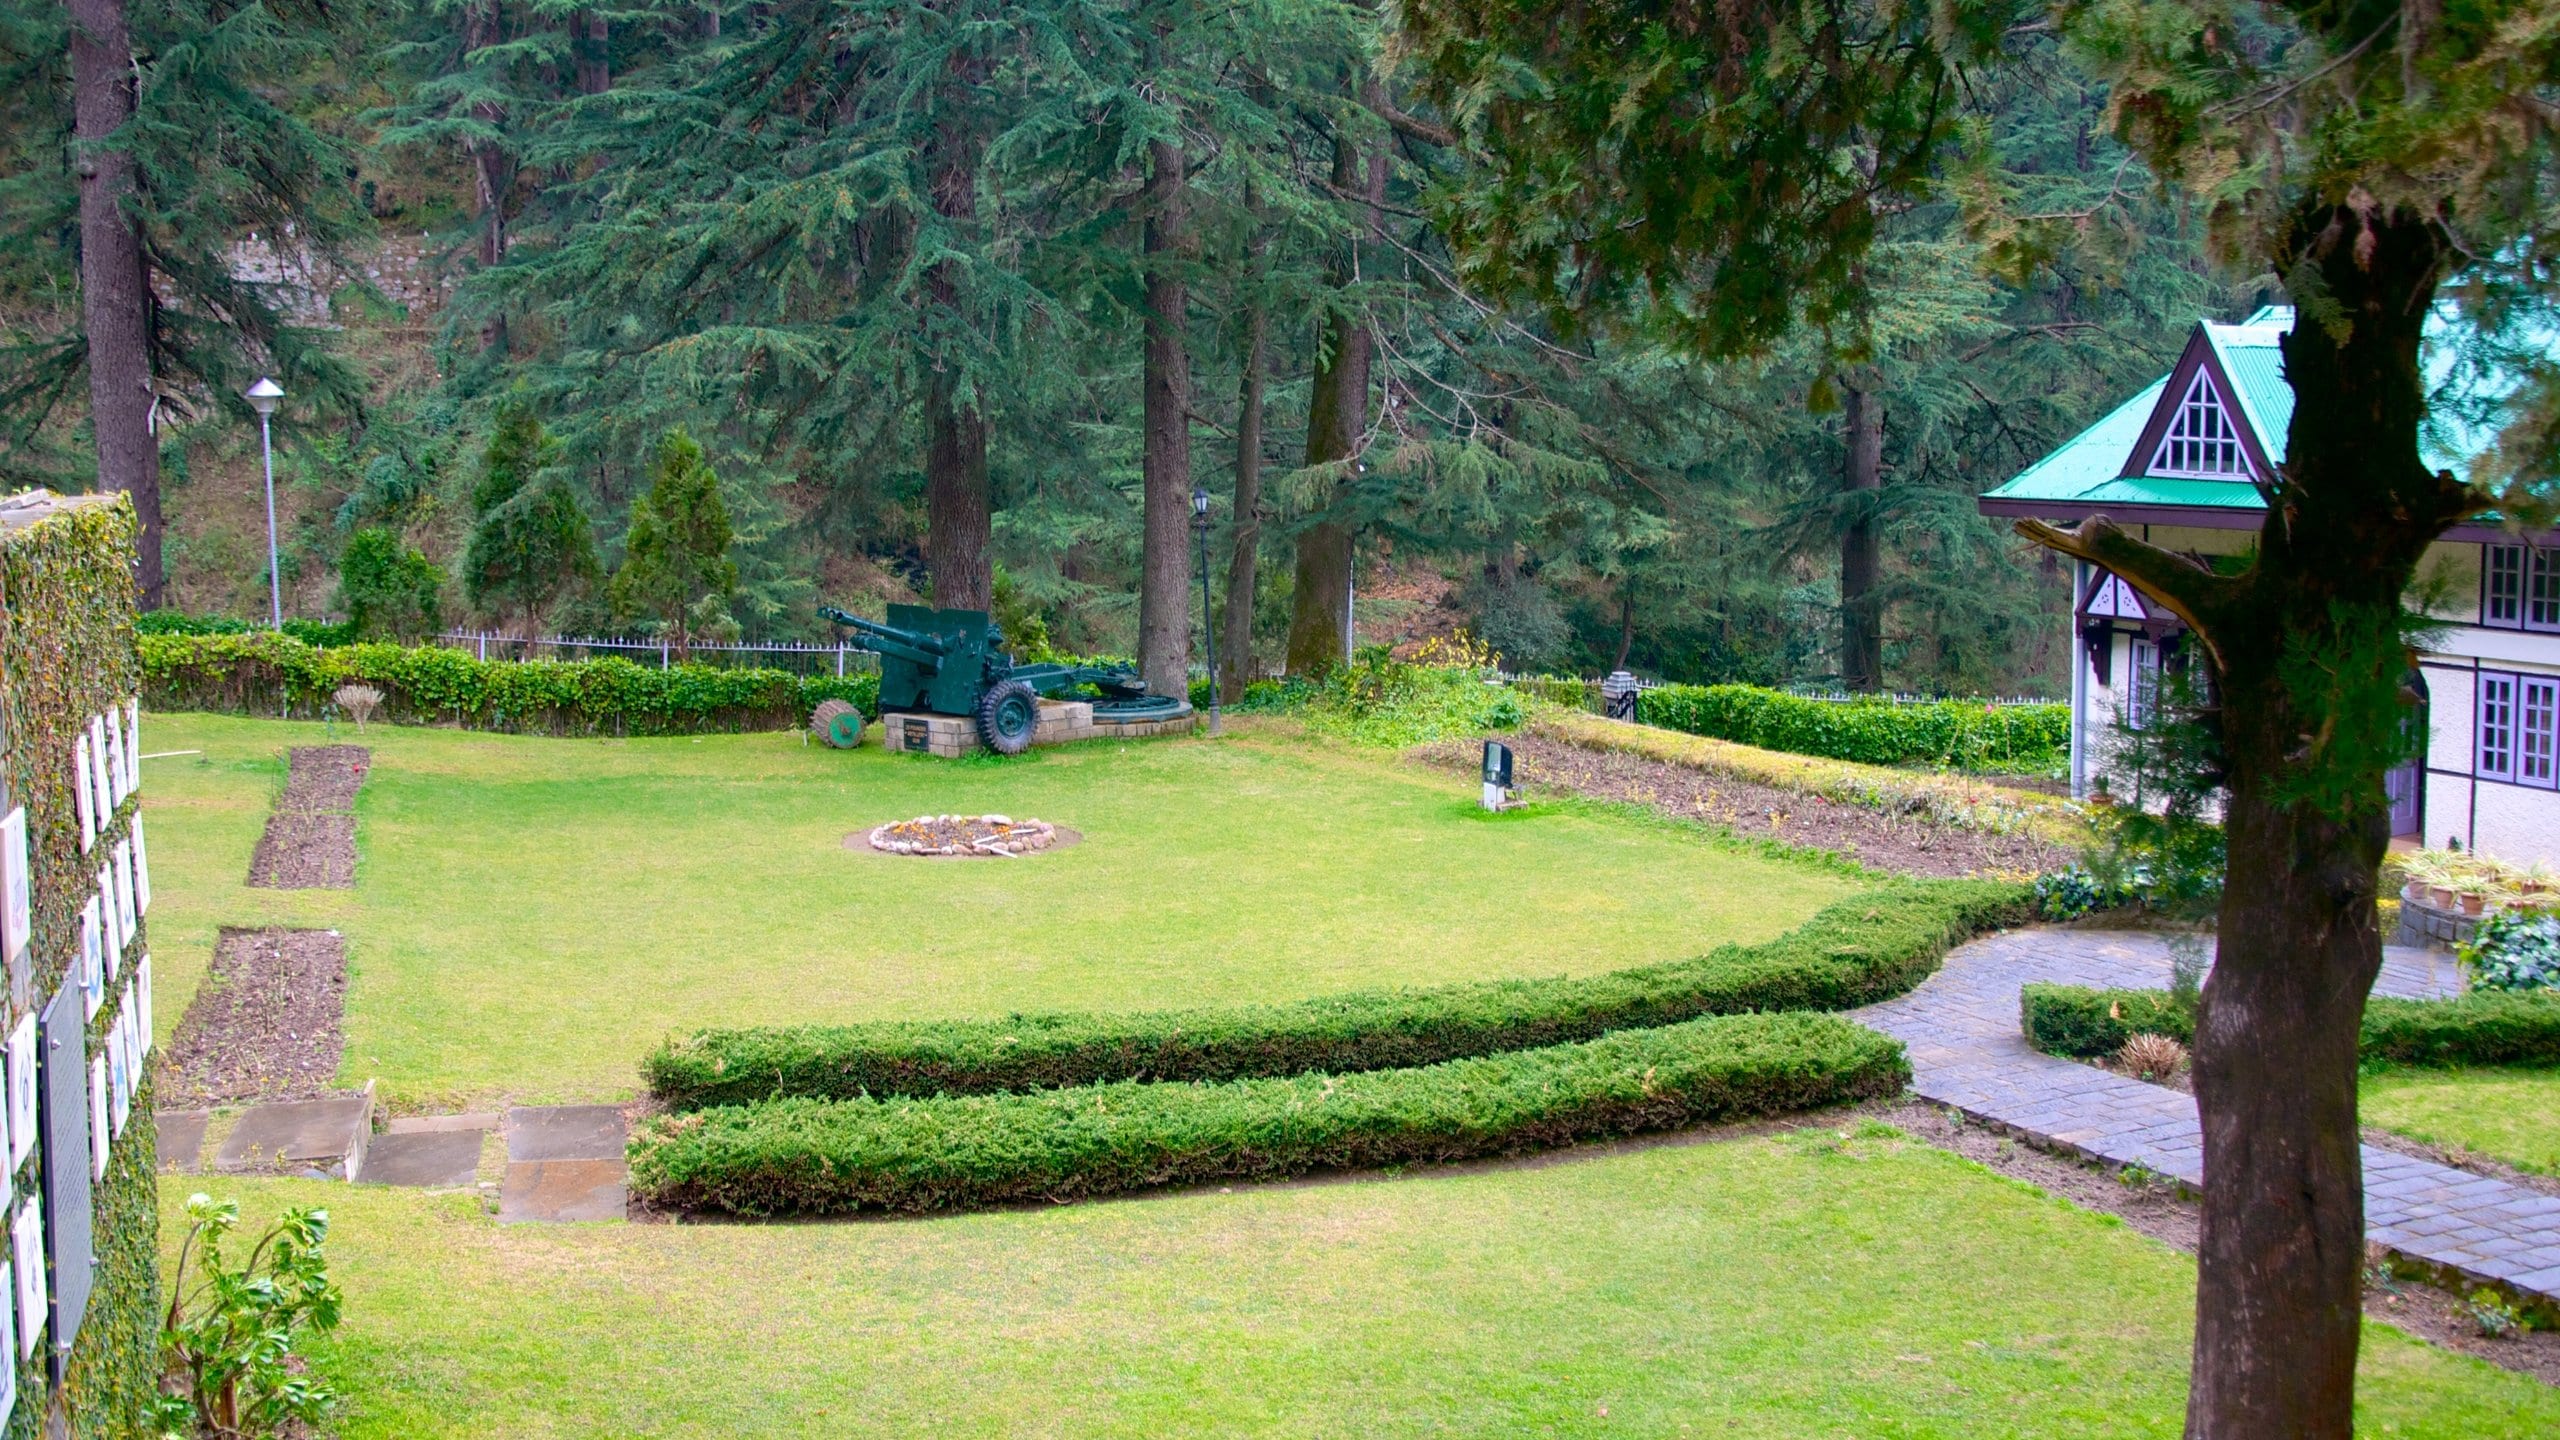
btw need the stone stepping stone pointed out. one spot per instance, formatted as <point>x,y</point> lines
<point>180,1137</point>
<point>565,1132</point>
<point>482,1120</point>
<point>564,1163</point>
<point>428,1159</point>
<point>320,1134</point>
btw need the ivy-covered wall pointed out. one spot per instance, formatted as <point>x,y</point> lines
<point>67,653</point>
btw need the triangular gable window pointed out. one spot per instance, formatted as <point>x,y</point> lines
<point>2202,443</point>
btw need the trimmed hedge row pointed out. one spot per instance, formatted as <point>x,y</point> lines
<point>811,1156</point>
<point>264,673</point>
<point>2481,1028</point>
<point>1967,734</point>
<point>1862,949</point>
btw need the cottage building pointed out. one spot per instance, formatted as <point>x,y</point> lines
<point>2179,464</point>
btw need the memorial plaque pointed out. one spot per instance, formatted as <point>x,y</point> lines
<point>133,745</point>
<point>111,725</point>
<point>99,1104</point>
<point>89,980</point>
<point>8,1344</point>
<point>88,806</point>
<point>141,870</point>
<point>105,789</point>
<point>128,918</point>
<point>22,1090</point>
<point>68,1098</point>
<point>17,887</point>
<point>142,997</point>
<point>26,1262</point>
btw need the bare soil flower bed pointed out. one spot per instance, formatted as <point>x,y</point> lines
<point>963,835</point>
<point>1903,844</point>
<point>310,839</point>
<point>264,1025</point>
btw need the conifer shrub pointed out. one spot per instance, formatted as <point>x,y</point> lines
<point>825,1156</point>
<point>2480,1028</point>
<point>1865,948</point>
<point>1960,734</point>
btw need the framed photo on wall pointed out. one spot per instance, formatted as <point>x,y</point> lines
<point>81,798</point>
<point>92,973</point>
<point>142,1001</point>
<point>99,778</point>
<point>109,918</point>
<point>17,885</point>
<point>112,724</point>
<point>119,1088</point>
<point>26,1257</point>
<point>133,745</point>
<point>141,870</point>
<point>99,1134</point>
<point>8,1343</point>
<point>128,920</point>
<point>22,1090</point>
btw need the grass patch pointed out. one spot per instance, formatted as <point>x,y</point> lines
<point>2507,1114</point>
<point>1761,1288</point>
<point>532,915</point>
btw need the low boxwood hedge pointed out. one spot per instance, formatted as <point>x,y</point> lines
<point>1866,948</point>
<point>812,1156</point>
<point>1966,734</point>
<point>265,673</point>
<point>2480,1028</point>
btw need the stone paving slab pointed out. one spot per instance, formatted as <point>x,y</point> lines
<point>563,1190</point>
<point>429,1159</point>
<point>180,1134</point>
<point>433,1124</point>
<point>1961,1027</point>
<point>322,1133</point>
<point>565,1132</point>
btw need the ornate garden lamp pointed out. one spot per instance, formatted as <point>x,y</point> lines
<point>1208,623</point>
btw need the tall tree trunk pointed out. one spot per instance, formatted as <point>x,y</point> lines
<point>489,166</point>
<point>1861,550</point>
<point>1164,589</point>
<point>1338,406</point>
<point>115,280</point>
<point>2308,659</point>
<point>958,500</point>
<point>1236,660</point>
<point>591,42</point>
<point>1626,622</point>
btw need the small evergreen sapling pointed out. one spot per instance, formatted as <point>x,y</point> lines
<point>531,545</point>
<point>676,568</point>
<point>387,589</point>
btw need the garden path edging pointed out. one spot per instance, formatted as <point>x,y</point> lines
<point>1961,1028</point>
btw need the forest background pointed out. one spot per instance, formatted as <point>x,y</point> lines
<point>961,300</point>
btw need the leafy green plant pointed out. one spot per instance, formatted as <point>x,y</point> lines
<point>388,590</point>
<point>1862,949</point>
<point>2514,949</point>
<point>2492,1316</point>
<point>813,1156</point>
<point>2480,1028</point>
<point>228,1342</point>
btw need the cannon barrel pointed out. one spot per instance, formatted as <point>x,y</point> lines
<point>930,650</point>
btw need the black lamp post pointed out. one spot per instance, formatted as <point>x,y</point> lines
<point>1208,622</point>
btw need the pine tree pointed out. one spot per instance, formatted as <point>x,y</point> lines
<point>531,546</point>
<point>387,589</point>
<point>676,554</point>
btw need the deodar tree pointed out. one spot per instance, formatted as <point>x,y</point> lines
<point>676,567</point>
<point>1716,173</point>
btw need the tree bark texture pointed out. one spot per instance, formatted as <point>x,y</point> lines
<point>2308,656</point>
<point>1235,668</point>
<point>1338,408</point>
<point>1861,547</point>
<point>592,44</point>
<point>490,169</point>
<point>115,279</point>
<point>1164,589</point>
<point>958,500</point>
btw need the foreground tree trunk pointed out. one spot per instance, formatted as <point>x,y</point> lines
<point>2308,660</point>
<point>1236,653</point>
<point>1338,407</point>
<point>1861,548</point>
<point>1164,589</point>
<point>115,279</point>
<point>490,167</point>
<point>958,501</point>
<point>591,42</point>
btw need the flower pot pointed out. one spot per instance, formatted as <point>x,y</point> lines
<point>2474,904</point>
<point>2439,897</point>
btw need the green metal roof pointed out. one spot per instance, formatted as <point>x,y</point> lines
<point>2252,355</point>
<point>2090,459</point>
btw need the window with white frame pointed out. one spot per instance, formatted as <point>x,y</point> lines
<point>2542,597</point>
<point>2202,443</point>
<point>2517,724</point>
<point>2142,685</point>
<point>2520,587</point>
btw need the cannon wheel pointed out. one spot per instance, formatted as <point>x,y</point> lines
<point>837,723</point>
<point>1007,714</point>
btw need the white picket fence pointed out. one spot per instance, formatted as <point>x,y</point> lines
<point>793,655</point>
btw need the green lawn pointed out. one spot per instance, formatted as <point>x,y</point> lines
<point>1783,1286</point>
<point>2511,1115</point>
<point>531,914</point>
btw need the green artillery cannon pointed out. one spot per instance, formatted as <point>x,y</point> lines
<point>953,662</point>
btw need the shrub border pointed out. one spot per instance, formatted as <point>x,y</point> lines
<point>2481,1028</point>
<point>1865,948</point>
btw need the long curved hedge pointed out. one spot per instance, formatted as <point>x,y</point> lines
<point>1967,734</point>
<point>812,1156</point>
<point>1866,948</point>
<point>264,673</point>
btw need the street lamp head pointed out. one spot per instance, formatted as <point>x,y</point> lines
<point>262,397</point>
<point>1199,503</point>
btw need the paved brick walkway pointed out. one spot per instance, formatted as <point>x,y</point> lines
<point>1966,1051</point>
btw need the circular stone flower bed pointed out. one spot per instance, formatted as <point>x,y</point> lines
<point>963,835</point>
